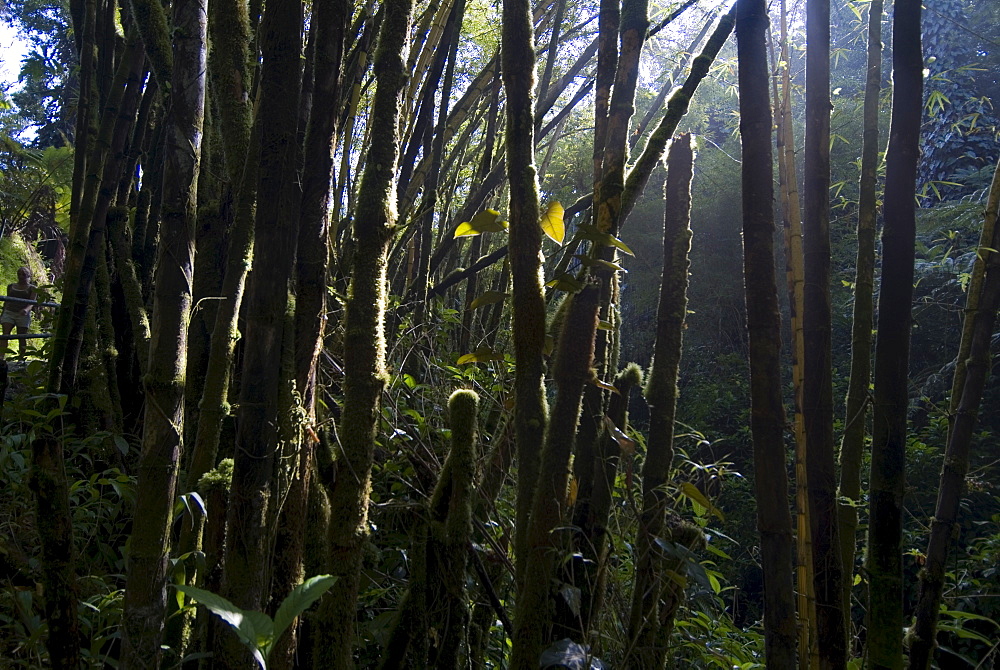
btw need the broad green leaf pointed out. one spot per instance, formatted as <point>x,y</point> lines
<point>589,232</point>
<point>487,221</point>
<point>487,298</point>
<point>615,242</point>
<point>965,633</point>
<point>605,325</point>
<point>692,492</point>
<point>956,614</point>
<point>480,355</point>
<point>299,600</point>
<point>590,262</point>
<point>552,222</point>
<point>566,282</point>
<point>244,624</point>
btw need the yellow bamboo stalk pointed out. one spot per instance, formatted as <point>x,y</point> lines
<point>792,225</point>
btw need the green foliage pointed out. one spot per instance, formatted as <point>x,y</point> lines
<point>101,497</point>
<point>48,84</point>
<point>255,629</point>
<point>35,186</point>
<point>14,253</point>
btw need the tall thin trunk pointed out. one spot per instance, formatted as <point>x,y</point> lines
<point>794,277</point>
<point>669,84</point>
<point>531,409</point>
<point>543,87</point>
<point>607,66</point>
<point>594,523</point>
<point>329,24</point>
<point>767,418</point>
<point>450,44</point>
<point>163,426</point>
<point>852,446</point>
<point>364,346</point>
<point>99,186</point>
<point>550,507</point>
<point>231,71</point>
<point>817,388</point>
<point>677,107</point>
<point>330,18</point>
<point>892,345</point>
<point>980,314</point>
<point>275,233</point>
<point>661,394</point>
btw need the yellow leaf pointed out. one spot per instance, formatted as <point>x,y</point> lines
<point>574,489</point>
<point>552,222</point>
<point>480,355</point>
<point>487,221</point>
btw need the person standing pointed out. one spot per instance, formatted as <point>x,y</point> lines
<point>19,313</point>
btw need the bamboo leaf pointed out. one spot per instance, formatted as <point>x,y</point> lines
<point>487,221</point>
<point>604,385</point>
<point>625,443</point>
<point>692,492</point>
<point>487,298</point>
<point>552,222</point>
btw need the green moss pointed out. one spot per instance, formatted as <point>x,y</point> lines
<point>218,479</point>
<point>16,252</point>
<point>631,375</point>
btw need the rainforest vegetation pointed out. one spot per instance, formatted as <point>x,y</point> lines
<point>497,334</point>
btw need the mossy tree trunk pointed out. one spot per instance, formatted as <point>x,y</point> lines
<point>163,426</point>
<point>275,233</point>
<point>85,32</point>
<point>767,415</point>
<point>365,375</point>
<point>892,346</point>
<point>327,30</point>
<point>58,555</point>
<point>330,20</point>
<point>550,506</point>
<point>436,598</point>
<point>231,70</point>
<point>530,409</point>
<point>661,395</point>
<point>677,106</point>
